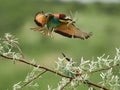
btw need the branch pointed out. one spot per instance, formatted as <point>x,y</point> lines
<point>15,44</point>
<point>35,65</point>
<point>102,69</point>
<point>35,77</point>
<point>96,85</point>
<point>62,88</point>
<point>19,49</point>
<point>49,70</point>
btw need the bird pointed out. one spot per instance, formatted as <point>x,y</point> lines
<point>72,72</point>
<point>58,23</point>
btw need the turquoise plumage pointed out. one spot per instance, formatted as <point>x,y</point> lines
<point>59,23</point>
<point>53,22</point>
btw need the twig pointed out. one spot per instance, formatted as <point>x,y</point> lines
<point>62,88</point>
<point>19,49</point>
<point>35,77</point>
<point>102,69</point>
<point>15,44</point>
<point>96,85</point>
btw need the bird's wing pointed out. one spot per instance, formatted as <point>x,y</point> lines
<point>70,30</point>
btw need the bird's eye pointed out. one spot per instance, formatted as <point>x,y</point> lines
<point>47,14</point>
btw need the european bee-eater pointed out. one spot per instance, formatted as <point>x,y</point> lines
<point>60,24</point>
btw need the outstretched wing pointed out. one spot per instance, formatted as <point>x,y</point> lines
<point>70,30</point>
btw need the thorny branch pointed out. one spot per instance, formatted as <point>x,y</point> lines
<point>25,61</point>
<point>35,65</point>
<point>52,71</point>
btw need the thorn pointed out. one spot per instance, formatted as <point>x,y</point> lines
<point>63,55</point>
<point>68,59</point>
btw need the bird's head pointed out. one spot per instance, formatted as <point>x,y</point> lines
<point>40,19</point>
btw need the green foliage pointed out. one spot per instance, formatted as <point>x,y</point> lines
<point>17,17</point>
<point>77,74</point>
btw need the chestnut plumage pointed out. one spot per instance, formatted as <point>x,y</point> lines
<point>60,24</point>
<point>71,31</point>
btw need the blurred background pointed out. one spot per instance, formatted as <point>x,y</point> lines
<point>101,17</point>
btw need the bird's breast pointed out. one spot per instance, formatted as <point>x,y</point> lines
<point>53,22</point>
